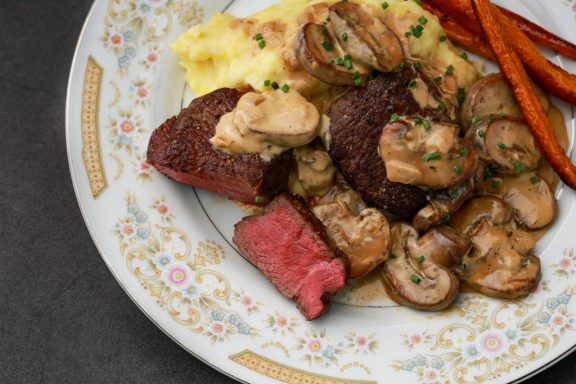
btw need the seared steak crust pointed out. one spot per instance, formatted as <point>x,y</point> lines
<point>180,149</point>
<point>356,122</point>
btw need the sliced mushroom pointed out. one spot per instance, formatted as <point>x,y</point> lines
<point>495,268</point>
<point>442,206</point>
<point>492,95</point>
<point>480,209</point>
<point>530,197</point>
<point>318,53</point>
<point>506,142</point>
<point>425,154</point>
<point>416,281</point>
<point>444,246</point>
<point>315,169</point>
<point>366,37</point>
<point>363,234</point>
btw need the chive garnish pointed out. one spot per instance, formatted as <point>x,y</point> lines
<point>430,156</point>
<point>421,259</point>
<point>464,55</point>
<point>427,125</point>
<point>327,46</point>
<point>267,83</point>
<point>384,5</point>
<point>418,120</point>
<point>443,38</point>
<point>275,85</point>
<point>450,70</point>
<point>394,117</point>
<point>344,36</point>
<point>518,167</point>
<point>262,44</point>
<point>534,179</point>
<point>285,88</point>
<point>415,279</point>
<point>258,36</point>
<point>259,199</point>
<point>458,169</point>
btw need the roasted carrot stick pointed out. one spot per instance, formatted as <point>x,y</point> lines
<point>514,72</point>
<point>555,79</point>
<point>542,36</point>
<point>460,35</point>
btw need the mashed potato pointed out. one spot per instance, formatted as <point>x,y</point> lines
<point>226,53</point>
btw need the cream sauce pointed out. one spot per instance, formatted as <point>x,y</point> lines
<point>268,124</point>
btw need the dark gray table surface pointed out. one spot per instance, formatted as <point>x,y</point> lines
<point>63,317</point>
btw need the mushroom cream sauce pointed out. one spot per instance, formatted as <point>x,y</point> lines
<point>257,54</point>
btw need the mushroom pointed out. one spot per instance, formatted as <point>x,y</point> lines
<point>315,169</point>
<point>506,142</point>
<point>416,281</point>
<point>363,234</point>
<point>492,95</point>
<point>442,205</point>
<point>366,37</point>
<point>530,197</point>
<point>426,154</point>
<point>319,54</point>
<point>495,268</point>
<point>479,209</point>
<point>444,246</point>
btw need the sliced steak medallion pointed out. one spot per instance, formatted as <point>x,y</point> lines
<point>289,245</point>
<point>356,122</point>
<point>180,149</point>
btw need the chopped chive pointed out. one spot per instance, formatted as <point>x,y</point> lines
<point>408,34</point>
<point>262,44</point>
<point>370,76</point>
<point>412,83</point>
<point>450,70</point>
<point>418,120</point>
<point>327,46</point>
<point>419,2</point>
<point>491,118</point>
<point>501,115</point>
<point>427,125</point>
<point>285,88</point>
<point>421,259</point>
<point>331,62</point>
<point>358,82</point>
<point>394,117</point>
<point>463,266</point>
<point>416,31</point>
<point>443,38</point>
<point>348,64</point>
<point>418,65</point>
<point>356,75</point>
<point>442,107</point>
<point>267,83</point>
<point>477,119</point>
<point>328,18</point>
<point>464,55</point>
<point>464,151</point>
<point>481,133</point>
<point>518,167</point>
<point>392,255</point>
<point>501,145</point>
<point>324,30</point>
<point>461,95</point>
<point>403,66</point>
<point>446,218</point>
<point>534,179</point>
<point>458,169</point>
<point>347,57</point>
<point>275,85</point>
<point>258,36</point>
<point>454,193</point>
<point>423,20</point>
<point>415,279</point>
<point>384,5</point>
<point>344,36</point>
<point>259,199</point>
<point>430,156</point>
<point>495,184</point>
<point>340,61</point>
<point>437,79</point>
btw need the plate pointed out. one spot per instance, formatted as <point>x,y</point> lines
<point>169,244</point>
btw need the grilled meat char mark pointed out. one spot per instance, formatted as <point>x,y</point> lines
<point>180,149</point>
<point>356,122</point>
<point>289,245</point>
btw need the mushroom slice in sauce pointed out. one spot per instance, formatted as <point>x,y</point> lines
<point>427,154</point>
<point>442,206</point>
<point>479,209</point>
<point>495,268</point>
<point>315,169</point>
<point>492,95</point>
<point>444,246</point>
<point>318,53</point>
<point>506,142</point>
<point>366,37</point>
<point>416,281</point>
<point>530,197</point>
<point>363,234</point>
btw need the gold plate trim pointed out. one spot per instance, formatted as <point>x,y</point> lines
<point>91,154</point>
<point>284,373</point>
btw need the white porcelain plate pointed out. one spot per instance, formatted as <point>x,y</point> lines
<point>169,244</point>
